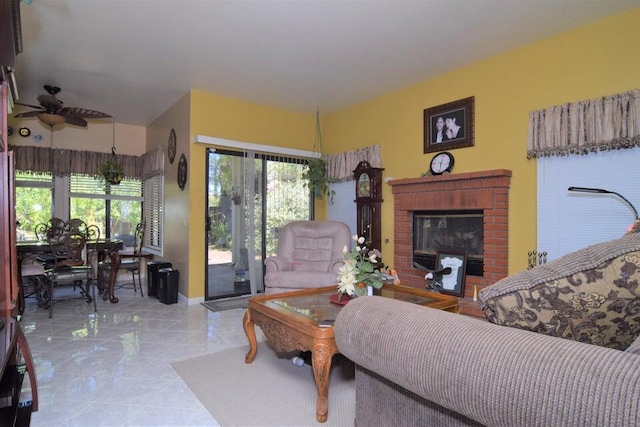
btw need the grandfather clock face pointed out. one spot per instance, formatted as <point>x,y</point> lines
<point>364,186</point>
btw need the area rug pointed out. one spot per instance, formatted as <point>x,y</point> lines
<point>271,391</point>
<point>227,304</point>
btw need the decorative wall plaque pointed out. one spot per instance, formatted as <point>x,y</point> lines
<point>182,171</point>
<point>171,146</point>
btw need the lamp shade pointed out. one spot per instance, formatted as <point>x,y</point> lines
<point>51,119</point>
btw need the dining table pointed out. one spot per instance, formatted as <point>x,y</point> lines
<point>103,247</point>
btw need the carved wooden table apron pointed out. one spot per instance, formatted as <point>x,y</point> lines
<point>290,322</point>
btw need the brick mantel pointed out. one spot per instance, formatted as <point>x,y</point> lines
<point>487,191</point>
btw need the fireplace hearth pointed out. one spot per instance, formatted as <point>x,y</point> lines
<point>424,207</point>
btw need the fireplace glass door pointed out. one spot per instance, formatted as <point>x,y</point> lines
<point>458,232</point>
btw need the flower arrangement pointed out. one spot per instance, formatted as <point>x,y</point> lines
<point>361,269</point>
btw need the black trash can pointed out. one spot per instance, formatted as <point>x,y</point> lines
<point>168,285</point>
<point>152,276</point>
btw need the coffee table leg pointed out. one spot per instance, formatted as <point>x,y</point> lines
<point>321,359</point>
<point>250,331</point>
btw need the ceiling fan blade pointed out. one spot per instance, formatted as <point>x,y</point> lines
<point>74,120</point>
<point>28,114</point>
<point>50,102</point>
<point>29,105</point>
<point>83,112</point>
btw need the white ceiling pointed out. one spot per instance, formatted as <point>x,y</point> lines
<point>135,58</point>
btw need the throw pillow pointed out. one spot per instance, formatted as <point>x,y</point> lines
<point>591,295</point>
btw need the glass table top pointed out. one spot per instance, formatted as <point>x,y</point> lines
<point>318,307</point>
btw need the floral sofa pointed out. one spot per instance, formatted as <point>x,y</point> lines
<point>560,349</point>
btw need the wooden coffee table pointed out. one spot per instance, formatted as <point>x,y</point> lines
<point>290,321</point>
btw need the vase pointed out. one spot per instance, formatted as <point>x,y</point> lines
<point>369,290</point>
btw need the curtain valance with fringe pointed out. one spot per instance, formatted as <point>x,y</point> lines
<point>152,163</point>
<point>607,123</point>
<point>340,166</point>
<point>62,162</point>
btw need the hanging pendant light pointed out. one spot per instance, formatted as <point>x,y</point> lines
<point>51,119</point>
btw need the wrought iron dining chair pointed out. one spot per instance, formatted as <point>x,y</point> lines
<point>76,225</point>
<point>92,233</point>
<point>129,261</point>
<point>33,267</point>
<point>50,231</point>
<point>74,269</point>
<point>32,278</point>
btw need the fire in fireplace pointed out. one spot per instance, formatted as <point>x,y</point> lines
<point>450,232</point>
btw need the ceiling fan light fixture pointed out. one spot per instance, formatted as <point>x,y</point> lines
<point>52,111</point>
<point>51,119</point>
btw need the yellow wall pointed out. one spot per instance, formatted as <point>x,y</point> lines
<point>228,118</point>
<point>595,60</point>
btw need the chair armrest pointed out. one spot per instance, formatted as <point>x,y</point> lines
<point>336,264</point>
<point>275,263</point>
<point>492,374</point>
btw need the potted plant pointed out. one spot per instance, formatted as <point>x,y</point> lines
<point>316,176</point>
<point>111,171</point>
<point>221,233</point>
<point>236,197</point>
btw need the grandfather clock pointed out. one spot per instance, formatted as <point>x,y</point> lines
<point>368,203</point>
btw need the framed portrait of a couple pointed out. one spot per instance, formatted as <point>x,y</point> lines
<point>449,126</point>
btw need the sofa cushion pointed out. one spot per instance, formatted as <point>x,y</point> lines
<point>591,295</point>
<point>634,347</point>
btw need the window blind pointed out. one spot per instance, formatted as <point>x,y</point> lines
<point>88,186</point>
<point>152,213</point>
<point>568,221</point>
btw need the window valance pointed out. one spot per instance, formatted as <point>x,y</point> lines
<point>62,162</point>
<point>340,166</point>
<point>610,122</point>
<point>152,163</point>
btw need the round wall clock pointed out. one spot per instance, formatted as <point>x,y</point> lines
<point>24,132</point>
<point>182,171</point>
<point>441,163</point>
<point>172,146</point>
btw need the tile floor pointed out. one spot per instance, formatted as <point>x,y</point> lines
<point>112,368</point>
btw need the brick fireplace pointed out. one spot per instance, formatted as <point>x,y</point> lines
<point>486,191</point>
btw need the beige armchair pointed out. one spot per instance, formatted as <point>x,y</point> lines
<point>309,256</point>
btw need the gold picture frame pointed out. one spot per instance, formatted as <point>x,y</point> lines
<point>449,126</point>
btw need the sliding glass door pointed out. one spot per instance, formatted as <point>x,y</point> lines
<point>250,196</point>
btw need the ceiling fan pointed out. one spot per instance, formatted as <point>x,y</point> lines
<point>51,111</point>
